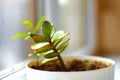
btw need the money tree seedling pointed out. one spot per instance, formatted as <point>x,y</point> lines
<point>49,44</point>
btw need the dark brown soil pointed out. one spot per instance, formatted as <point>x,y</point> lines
<point>74,65</point>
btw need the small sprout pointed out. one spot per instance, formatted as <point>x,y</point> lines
<point>50,44</point>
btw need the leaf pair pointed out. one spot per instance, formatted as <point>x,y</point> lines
<point>59,42</point>
<point>29,25</point>
<point>49,44</point>
<point>46,50</point>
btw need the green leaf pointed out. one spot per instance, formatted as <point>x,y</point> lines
<point>53,31</point>
<point>44,49</point>
<point>47,28</point>
<point>57,42</point>
<point>20,35</point>
<point>39,39</point>
<point>49,60</point>
<point>40,45</point>
<point>47,52</point>
<point>59,39</point>
<point>63,48</point>
<point>51,55</point>
<point>37,27</point>
<point>57,35</point>
<point>63,45</point>
<point>28,24</point>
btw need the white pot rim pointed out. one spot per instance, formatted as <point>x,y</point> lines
<point>81,57</point>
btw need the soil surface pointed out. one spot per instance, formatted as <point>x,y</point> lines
<point>74,65</point>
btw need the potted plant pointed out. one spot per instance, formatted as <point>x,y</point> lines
<point>50,65</point>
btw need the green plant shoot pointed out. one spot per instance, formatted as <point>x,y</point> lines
<point>50,44</point>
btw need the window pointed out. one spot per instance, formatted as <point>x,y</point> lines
<point>12,14</point>
<point>72,16</point>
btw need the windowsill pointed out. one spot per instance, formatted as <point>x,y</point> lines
<point>19,75</point>
<point>18,72</point>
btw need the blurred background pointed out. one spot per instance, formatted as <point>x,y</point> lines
<point>94,26</point>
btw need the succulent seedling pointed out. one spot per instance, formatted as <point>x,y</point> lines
<point>50,44</point>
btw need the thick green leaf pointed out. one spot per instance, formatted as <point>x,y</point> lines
<point>20,35</point>
<point>57,42</point>
<point>63,45</point>
<point>57,35</point>
<point>49,60</point>
<point>63,48</point>
<point>40,45</point>
<point>59,39</point>
<point>47,28</point>
<point>37,27</point>
<point>44,49</point>
<point>53,31</point>
<point>28,24</point>
<point>48,52</point>
<point>39,39</point>
<point>64,35</point>
<point>51,55</point>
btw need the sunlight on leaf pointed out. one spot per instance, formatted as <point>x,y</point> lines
<point>56,41</point>
<point>39,45</point>
<point>49,60</point>
<point>48,52</point>
<point>57,35</point>
<point>44,49</point>
<point>63,45</point>
<point>53,31</point>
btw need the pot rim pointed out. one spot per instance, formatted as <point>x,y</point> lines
<point>84,57</point>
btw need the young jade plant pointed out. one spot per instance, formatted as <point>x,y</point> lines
<point>50,44</point>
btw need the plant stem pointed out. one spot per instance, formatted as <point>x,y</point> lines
<point>37,58</point>
<point>62,62</point>
<point>59,56</point>
<point>37,62</point>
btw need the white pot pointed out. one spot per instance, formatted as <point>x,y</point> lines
<point>99,74</point>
